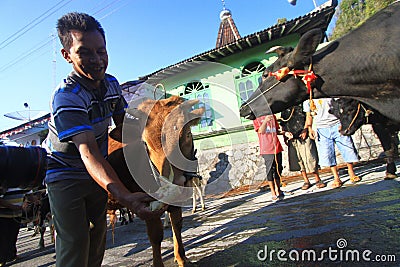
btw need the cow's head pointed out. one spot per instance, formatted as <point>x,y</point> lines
<point>275,95</point>
<point>167,132</point>
<point>350,113</point>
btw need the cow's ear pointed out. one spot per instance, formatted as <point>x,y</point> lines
<point>306,47</point>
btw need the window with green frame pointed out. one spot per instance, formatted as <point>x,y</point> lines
<point>248,81</point>
<point>196,90</point>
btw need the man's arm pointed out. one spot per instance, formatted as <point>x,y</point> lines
<point>308,125</point>
<point>102,172</point>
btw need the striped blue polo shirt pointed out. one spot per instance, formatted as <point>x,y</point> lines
<point>78,108</point>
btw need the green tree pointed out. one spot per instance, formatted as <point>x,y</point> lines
<point>352,13</point>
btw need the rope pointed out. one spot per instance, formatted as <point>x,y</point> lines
<point>366,142</point>
<point>355,117</point>
<point>290,116</point>
<point>270,88</point>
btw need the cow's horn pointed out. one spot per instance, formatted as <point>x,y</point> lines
<point>274,49</point>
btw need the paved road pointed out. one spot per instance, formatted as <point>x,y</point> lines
<point>330,227</point>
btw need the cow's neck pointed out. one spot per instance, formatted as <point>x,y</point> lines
<point>159,160</point>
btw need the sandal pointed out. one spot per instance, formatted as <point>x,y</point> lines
<point>320,184</point>
<point>306,186</point>
<point>390,176</point>
<point>337,184</point>
<point>275,199</point>
<point>355,179</point>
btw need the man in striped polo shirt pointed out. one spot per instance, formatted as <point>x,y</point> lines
<point>78,175</point>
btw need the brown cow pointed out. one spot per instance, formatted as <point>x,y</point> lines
<point>36,210</point>
<point>164,127</point>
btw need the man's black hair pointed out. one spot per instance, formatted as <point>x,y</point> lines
<point>76,21</point>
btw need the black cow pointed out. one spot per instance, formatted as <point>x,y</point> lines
<point>362,65</point>
<point>353,114</point>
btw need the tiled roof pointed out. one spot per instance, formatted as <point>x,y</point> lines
<point>318,18</point>
<point>32,126</point>
<point>228,31</point>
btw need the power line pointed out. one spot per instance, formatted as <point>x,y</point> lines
<point>113,11</point>
<point>30,26</point>
<point>29,53</point>
<point>110,4</point>
<point>25,55</point>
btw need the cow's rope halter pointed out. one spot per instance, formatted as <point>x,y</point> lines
<point>308,77</point>
<point>367,113</point>
<point>290,116</point>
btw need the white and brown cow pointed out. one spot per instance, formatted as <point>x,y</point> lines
<point>162,134</point>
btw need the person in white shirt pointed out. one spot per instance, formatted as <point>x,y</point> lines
<point>324,128</point>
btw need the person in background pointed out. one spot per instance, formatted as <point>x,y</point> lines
<point>324,128</point>
<point>10,222</point>
<point>271,149</point>
<point>303,155</point>
<point>78,175</point>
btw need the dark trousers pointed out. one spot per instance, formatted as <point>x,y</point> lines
<point>9,229</point>
<point>273,164</point>
<point>75,204</point>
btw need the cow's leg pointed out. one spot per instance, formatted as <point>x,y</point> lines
<point>155,233</point>
<point>200,193</point>
<point>197,193</point>
<point>203,206</point>
<point>167,222</point>
<point>123,216</point>
<point>130,215</point>
<point>42,231</point>
<point>175,214</point>
<point>194,198</point>
<point>42,228</point>
<point>390,164</point>
<point>385,137</point>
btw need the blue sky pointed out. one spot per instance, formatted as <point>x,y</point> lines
<point>142,36</point>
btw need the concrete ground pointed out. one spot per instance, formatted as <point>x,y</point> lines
<point>356,225</point>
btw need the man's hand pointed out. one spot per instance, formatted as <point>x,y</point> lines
<point>303,135</point>
<point>139,203</point>
<point>312,134</point>
<point>288,135</point>
<point>263,127</point>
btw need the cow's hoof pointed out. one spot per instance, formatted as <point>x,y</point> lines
<point>184,262</point>
<point>390,176</point>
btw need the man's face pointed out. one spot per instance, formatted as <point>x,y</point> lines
<point>88,55</point>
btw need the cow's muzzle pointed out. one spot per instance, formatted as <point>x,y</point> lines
<point>246,112</point>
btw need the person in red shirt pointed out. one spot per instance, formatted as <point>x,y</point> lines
<point>267,128</point>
